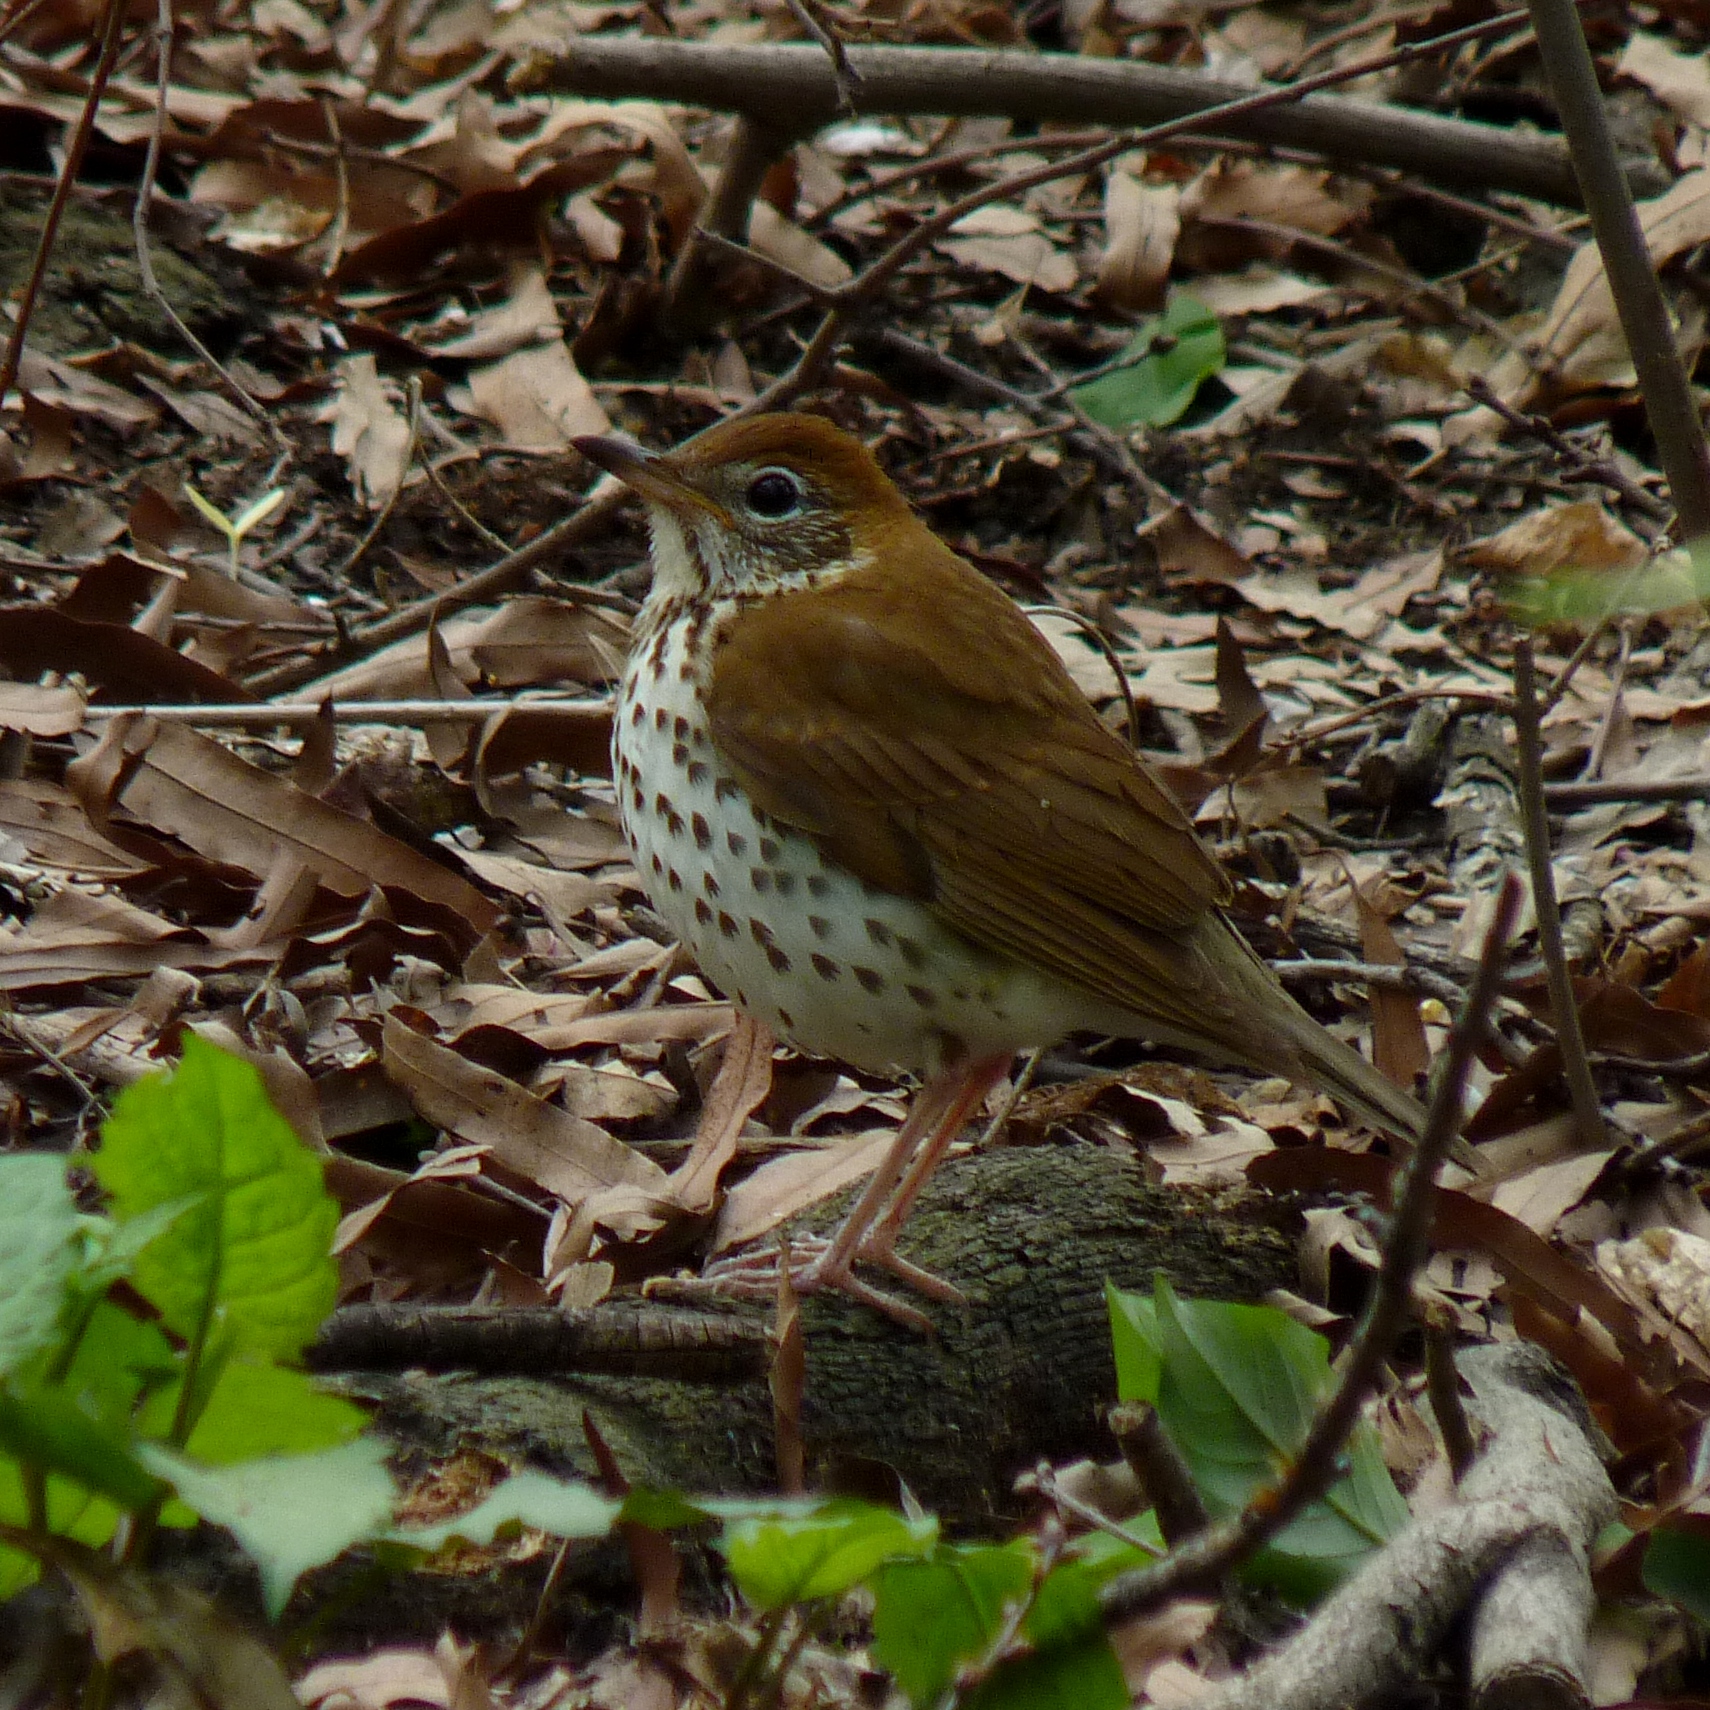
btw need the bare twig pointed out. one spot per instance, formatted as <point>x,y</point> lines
<point>811,15</point>
<point>786,83</point>
<point>1588,1117</point>
<point>1663,382</point>
<point>1208,1557</point>
<point>140,239</point>
<point>1443,1385</point>
<point>266,714</point>
<point>112,28</point>
<point>1392,975</point>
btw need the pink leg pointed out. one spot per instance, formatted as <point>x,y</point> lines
<point>871,1228</point>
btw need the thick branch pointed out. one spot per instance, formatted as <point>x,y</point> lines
<point>791,86</point>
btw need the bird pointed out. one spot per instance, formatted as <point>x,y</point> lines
<point>868,797</point>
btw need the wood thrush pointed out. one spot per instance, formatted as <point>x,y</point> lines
<point>865,792</point>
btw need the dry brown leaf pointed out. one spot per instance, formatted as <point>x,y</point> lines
<point>1679,80</point>
<point>39,710</point>
<point>183,782</point>
<point>565,1155</point>
<point>1541,1197</point>
<point>785,1186</point>
<point>1580,535</point>
<point>525,643</point>
<point>1190,550</point>
<point>744,1079</point>
<point>526,316</point>
<point>783,241</point>
<point>1581,336</point>
<point>1141,223</point>
<point>536,398</point>
<point>368,432</point>
<point>1009,241</point>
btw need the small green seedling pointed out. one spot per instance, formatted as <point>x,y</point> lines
<point>235,528</point>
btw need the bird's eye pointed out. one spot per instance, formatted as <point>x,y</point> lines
<point>774,493</point>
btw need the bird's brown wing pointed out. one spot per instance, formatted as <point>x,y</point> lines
<point>929,739</point>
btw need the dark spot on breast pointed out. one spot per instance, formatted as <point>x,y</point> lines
<point>911,952</point>
<point>761,933</point>
<point>685,671</point>
<point>637,713</point>
<point>870,979</point>
<point>728,927</point>
<point>736,843</point>
<point>877,931</point>
<point>760,879</point>
<point>709,884</point>
<point>680,728</point>
<point>679,754</point>
<point>820,925</point>
<point>788,1020</point>
<point>703,911</point>
<point>661,804</point>
<point>699,772</point>
<point>640,799</point>
<point>703,831</point>
<point>726,790</point>
<point>674,823</point>
<point>658,865</point>
<point>784,883</point>
<point>661,717</point>
<point>818,885</point>
<point>674,879</point>
<point>922,996</point>
<point>769,850</point>
<point>824,966</point>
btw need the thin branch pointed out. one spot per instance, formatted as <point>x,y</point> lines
<point>112,29</point>
<point>812,17</point>
<point>263,715</point>
<point>1206,1559</point>
<point>140,239</point>
<point>793,84</point>
<point>1663,382</point>
<point>1587,1115</point>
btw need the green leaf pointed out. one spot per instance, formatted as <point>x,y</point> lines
<point>1072,1666</point>
<point>1134,1340</point>
<point>47,1430</point>
<point>1572,596</point>
<point>1677,1566</point>
<point>931,1616</point>
<point>38,1223</point>
<point>290,1512</point>
<point>253,1252</point>
<point>562,1506</point>
<point>822,1553</point>
<point>1170,357</point>
<point>1239,1388</point>
<point>259,1409</point>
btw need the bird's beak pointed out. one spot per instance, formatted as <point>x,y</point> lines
<point>647,474</point>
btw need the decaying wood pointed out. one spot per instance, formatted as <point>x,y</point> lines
<point>1514,1546</point>
<point>1024,1370</point>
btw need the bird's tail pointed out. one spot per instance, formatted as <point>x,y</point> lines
<point>1293,1044</point>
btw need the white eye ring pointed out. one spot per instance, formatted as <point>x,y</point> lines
<point>773,494</point>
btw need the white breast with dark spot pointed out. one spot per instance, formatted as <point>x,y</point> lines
<point>831,964</point>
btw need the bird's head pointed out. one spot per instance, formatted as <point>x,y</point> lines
<point>765,501</point>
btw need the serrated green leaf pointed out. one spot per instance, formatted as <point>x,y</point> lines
<point>1170,357</point>
<point>255,1245</point>
<point>47,1430</point>
<point>290,1512</point>
<point>1134,1341</point>
<point>930,1617</point>
<point>564,1507</point>
<point>38,1225</point>
<point>1677,1566</point>
<point>821,1554</point>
